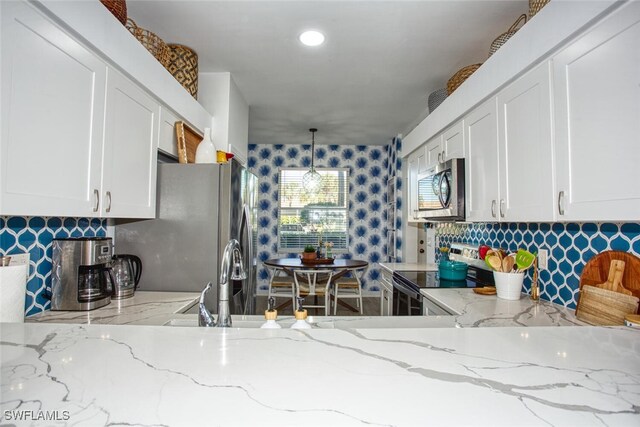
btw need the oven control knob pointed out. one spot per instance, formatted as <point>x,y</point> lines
<point>421,251</point>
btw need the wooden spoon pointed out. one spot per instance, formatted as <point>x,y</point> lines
<point>495,263</point>
<point>507,264</point>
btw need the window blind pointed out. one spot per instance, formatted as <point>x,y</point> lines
<point>305,219</point>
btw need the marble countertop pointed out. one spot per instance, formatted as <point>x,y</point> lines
<point>407,266</point>
<point>473,310</point>
<point>144,308</point>
<point>153,375</point>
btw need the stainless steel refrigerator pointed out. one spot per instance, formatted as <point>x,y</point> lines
<point>199,208</point>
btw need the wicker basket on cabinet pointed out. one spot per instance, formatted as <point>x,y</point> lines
<point>535,6</point>
<point>118,8</point>
<point>458,78</point>
<point>502,38</point>
<point>154,44</point>
<point>183,65</point>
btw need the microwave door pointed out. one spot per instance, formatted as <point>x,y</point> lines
<point>444,193</point>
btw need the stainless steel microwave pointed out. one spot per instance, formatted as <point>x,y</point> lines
<point>441,192</point>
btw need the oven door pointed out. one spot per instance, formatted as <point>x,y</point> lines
<point>406,301</point>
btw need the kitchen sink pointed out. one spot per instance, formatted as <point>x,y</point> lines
<point>327,322</point>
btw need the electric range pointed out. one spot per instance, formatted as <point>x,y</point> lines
<point>407,299</point>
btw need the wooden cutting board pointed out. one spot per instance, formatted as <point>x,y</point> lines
<point>596,271</point>
<point>188,140</point>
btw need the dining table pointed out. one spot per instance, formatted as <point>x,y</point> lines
<point>340,267</point>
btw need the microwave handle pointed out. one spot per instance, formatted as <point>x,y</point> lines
<point>443,177</point>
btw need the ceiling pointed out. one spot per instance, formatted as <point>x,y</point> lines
<point>369,81</point>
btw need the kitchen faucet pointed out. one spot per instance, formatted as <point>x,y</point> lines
<point>205,318</point>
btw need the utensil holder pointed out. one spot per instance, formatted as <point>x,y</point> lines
<point>509,285</point>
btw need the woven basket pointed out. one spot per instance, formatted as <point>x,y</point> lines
<point>118,8</point>
<point>535,6</point>
<point>458,78</point>
<point>154,44</point>
<point>183,65</point>
<point>502,38</point>
<point>436,98</point>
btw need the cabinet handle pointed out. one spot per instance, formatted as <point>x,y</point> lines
<point>96,194</point>
<point>109,204</point>
<point>561,203</point>
<point>443,156</point>
<point>439,157</point>
<point>501,208</point>
<point>493,208</point>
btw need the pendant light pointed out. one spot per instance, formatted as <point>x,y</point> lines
<point>312,180</point>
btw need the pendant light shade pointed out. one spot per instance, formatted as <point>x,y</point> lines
<point>312,180</point>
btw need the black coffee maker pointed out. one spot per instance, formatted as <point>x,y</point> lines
<point>81,277</point>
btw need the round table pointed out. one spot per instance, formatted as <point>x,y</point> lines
<point>341,266</point>
<point>297,263</point>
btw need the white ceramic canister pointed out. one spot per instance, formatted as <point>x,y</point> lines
<point>508,285</point>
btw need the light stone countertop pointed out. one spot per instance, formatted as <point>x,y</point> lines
<point>154,375</point>
<point>473,310</point>
<point>144,308</point>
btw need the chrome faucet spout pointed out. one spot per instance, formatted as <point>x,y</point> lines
<point>205,318</point>
<point>231,254</point>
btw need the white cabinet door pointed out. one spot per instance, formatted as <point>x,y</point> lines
<point>482,185</point>
<point>526,149</point>
<point>433,153</point>
<point>130,155</point>
<point>52,118</point>
<point>386,293</point>
<point>453,142</point>
<point>597,117</point>
<point>423,163</point>
<point>167,138</point>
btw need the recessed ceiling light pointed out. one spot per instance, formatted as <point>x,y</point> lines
<point>312,38</point>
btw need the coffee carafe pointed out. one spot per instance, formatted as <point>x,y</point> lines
<point>126,271</point>
<point>81,274</point>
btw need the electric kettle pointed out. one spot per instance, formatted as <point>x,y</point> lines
<point>126,271</point>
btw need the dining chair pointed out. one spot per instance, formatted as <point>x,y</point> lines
<point>314,283</point>
<point>281,285</point>
<point>348,287</point>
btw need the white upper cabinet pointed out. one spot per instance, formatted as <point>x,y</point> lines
<point>597,118</point>
<point>481,178</point>
<point>453,142</point>
<point>78,138</point>
<point>167,138</point>
<point>53,96</point>
<point>130,153</point>
<point>510,153</point>
<point>526,148</point>
<point>433,153</point>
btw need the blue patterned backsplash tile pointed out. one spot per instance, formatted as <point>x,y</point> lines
<point>368,171</point>
<point>570,246</point>
<point>34,236</point>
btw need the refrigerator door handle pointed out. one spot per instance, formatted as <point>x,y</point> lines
<point>248,288</point>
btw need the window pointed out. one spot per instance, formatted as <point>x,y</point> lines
<point>307,218</point>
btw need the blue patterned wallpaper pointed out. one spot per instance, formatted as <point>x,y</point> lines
<point>570,247</point>
<point>368,170</point>
<point>34,235</point>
